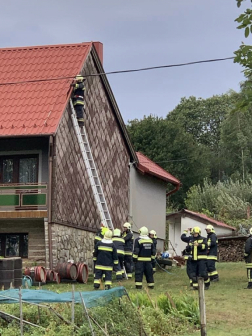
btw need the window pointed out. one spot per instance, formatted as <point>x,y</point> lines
<point>19,169</point>
<point>14,245</point>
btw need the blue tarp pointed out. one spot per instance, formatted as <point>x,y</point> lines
<point>92,298</point>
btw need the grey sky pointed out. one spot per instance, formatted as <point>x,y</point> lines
<point>135,34</point>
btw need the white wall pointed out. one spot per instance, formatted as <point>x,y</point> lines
<point>148,203</point>
<point>178,225</point>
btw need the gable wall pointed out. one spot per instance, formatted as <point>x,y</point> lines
<point>72,198</point>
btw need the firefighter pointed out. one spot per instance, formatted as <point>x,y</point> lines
<point>153,236</point>
<point>78,98</point>
<point>99,235</point>
<point>212,243</point>
<point>119,245</point>
<point>198,249</point>
<point>106,255</point>
<point>248,258</point>
<point>185,253</point>
<point>128,248</point>
<point>143,256</point>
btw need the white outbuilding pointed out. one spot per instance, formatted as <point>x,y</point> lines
<point>184,219</point>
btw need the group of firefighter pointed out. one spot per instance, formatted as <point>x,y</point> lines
<point>201,255</point>
<point>117,251</point>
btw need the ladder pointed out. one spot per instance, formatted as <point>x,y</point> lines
<point>92,171</point>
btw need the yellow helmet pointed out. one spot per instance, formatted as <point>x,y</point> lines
<point>103,230</point>
<point>79,78</point>
<point>127,225</point>
<point>144,231</point>
<point>154,233</point>
<point>196,229</point>
<point>117,233</point>
<point>210,227</point>
<point>108,234</point>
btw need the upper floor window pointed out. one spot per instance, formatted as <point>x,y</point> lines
<point>19,169</point>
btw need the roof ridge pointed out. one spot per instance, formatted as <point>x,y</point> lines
<point>80,44</point>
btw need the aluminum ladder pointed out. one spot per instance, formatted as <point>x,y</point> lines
<point>92,171</point>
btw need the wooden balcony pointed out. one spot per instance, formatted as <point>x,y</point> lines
<point>23,200</point>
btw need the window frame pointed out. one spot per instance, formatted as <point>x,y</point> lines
<point>16,164</point>
<point>21,244</point>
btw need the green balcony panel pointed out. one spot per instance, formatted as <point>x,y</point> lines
<point>37,187</point>
<point>33,199</point>
<point>9,200</point>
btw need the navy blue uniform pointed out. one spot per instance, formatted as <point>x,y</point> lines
<point>248,260</point>
<point>212,243</point>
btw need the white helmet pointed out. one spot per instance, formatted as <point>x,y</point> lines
<point>117,233</point>
<point>108,235</point>
<point>250,231</point>
<point>144,231</point>
<point>127,225</point>
<point>210,227</point>
<point>154,233</point>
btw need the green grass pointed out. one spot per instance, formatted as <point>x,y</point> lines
<point>227,302</point>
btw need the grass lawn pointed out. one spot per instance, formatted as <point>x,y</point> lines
<point>227,302</point>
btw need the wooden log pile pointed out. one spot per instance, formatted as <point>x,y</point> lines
<point>231,249</point>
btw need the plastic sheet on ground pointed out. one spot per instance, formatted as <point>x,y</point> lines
<point>91,299</point>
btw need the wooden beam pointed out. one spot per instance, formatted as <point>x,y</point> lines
<point>24,214</point>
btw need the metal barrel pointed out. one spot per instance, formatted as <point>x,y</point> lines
<point>49,275</point>
<point>6,273</point>
<point>56,277</point>
<point>82,272</point>
<point>40,274</point>
<point>67,270</point>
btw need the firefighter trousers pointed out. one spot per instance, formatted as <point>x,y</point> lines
<point>211,269</point>
<point>128,262</point>
<point>79,109</point>
<point>249,274</point>
<point>118,269</point>
<point>98,276</point>
<point>199,269</point>
<point>188,269</point>
<point>144,268</point>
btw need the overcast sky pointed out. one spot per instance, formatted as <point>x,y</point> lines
<point>135,34</point>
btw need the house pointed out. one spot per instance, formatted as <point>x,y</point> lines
<point>48,207</point>
<point>148,193</point>
<point>184,219</point>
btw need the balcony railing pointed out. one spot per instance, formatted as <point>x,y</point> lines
<point>23,196</point>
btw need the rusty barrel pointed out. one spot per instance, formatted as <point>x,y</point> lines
<point>18,274</point>
<point>67,270</point>
<point>40,274</point>
<point>56,277</point>
<point>82,272</point>
<point>49,275</point>
<point>6,273</point>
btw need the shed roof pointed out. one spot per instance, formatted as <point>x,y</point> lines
<point>147,166</point>
<point>29,103</point>
<point>201,217</point>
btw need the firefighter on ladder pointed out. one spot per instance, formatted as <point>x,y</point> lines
<point>143,255</point>
<point>128,248</point>
<point>78,98</point>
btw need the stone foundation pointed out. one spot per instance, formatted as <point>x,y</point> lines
<point>72,244</point>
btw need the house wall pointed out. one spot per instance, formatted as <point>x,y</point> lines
<point>178,225</point>
<point>36,237</point>
<point>72,244</point>
<point>148,204</point>
<point>32,145</point>
<point>72,198</point>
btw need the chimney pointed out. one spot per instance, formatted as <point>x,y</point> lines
<point>99,49</point>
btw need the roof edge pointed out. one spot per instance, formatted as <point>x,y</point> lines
<point>46,46</point>
<point>114,105</point>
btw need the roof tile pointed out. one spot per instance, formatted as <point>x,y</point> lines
<point>24,105</point>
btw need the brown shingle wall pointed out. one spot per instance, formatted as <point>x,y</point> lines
<point>73,200</point>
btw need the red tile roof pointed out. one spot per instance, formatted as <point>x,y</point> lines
<point>202,216</point>
<point>149,167</point>
<point>35,108</point>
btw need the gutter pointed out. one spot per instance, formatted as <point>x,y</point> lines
<point>50,200</point>
<point>174,190</point>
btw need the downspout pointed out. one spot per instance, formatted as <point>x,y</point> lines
<point>173,191</point>
<point>50,201</point>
